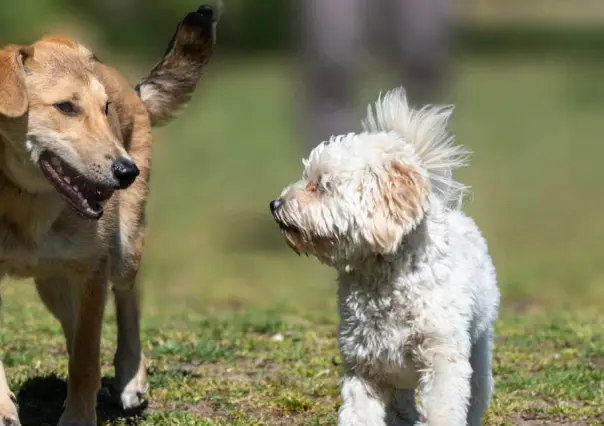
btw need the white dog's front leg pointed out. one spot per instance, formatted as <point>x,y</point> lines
<point>363,404</point>
<point>445,390</point>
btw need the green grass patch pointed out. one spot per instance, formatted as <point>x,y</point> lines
<point>239,331</point>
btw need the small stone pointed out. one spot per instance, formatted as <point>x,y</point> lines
<point>277,337</point>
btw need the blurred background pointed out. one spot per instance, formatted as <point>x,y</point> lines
<point>526,79</point>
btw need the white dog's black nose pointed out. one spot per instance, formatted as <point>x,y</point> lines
<point>275,204</point>
<point>125,171</point>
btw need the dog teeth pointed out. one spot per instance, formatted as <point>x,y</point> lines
<point>56,163</point>
<point>66,179</point>
<point>75,188</point>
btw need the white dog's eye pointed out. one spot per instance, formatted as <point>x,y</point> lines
<point>319,185</point>
<point>312,187</point>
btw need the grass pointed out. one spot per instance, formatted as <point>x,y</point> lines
<point>240,331</point>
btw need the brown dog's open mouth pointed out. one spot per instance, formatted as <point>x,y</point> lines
<point>83,195</point>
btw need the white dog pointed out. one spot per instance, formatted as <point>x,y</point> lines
<point>417,290</point>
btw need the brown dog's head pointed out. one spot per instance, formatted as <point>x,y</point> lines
<point>56,125</point>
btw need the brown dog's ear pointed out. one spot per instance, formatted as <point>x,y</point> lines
<point>398,208</point>
<point>13,93</point>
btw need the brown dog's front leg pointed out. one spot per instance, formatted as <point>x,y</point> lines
<point>129,361</point>
<point>8,407</point>
<point>84,360</point>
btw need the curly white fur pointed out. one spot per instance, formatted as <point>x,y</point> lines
<point>417,290</point>
<point>426,130</point>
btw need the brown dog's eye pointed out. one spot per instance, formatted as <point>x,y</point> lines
<point>107,108</point>
<point>67,108</point>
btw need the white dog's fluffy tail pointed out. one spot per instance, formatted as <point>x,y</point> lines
<point>426,130</point>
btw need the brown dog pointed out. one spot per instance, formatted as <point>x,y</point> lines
<point>72,132</point>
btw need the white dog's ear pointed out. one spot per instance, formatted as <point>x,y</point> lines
<point>397,208</point>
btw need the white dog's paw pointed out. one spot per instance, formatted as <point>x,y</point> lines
<point>351,419</point>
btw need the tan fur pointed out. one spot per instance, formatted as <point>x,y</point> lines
<point>72,258</point>
<point>12,86</point>
<point>402,195</point>
<point>169,86</point>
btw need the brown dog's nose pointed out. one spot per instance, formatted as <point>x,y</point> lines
<point>125,171</point>
<point>275,204</point>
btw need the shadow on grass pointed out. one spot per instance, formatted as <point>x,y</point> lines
<point>41,402</point>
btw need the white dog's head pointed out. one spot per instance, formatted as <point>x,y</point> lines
<point>361,194</point>
<point>358,194</point>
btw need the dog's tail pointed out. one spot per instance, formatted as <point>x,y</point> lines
<point>171,83</point>
<point>426,129</point>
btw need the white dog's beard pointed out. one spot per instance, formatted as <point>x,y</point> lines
<point>291,242</point>
<point>323,248</point>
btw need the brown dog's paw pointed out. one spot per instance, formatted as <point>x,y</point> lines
<point>9,421</point>
<point>8,412</point>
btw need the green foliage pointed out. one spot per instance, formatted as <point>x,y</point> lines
<point>142,28</point>
<point>546,368</point>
